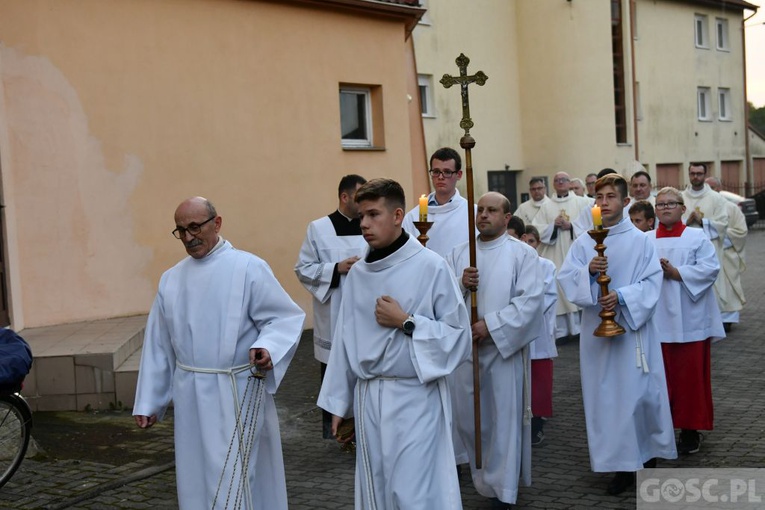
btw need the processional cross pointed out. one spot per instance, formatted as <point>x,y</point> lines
<point>467,142</point>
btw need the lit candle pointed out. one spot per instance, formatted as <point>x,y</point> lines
<point>423,208</point>
<point>597,219</point>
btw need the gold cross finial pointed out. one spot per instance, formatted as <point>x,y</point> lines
<point>464,80</point>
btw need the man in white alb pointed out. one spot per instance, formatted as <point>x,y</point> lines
<point>402,328</point>
<point>528,210</point>
<point>331,246</point>
<point>219,314</point>
<point>510,296</point>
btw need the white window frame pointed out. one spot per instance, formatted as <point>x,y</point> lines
<point>425,88</point>
<point>724,104</point>
<point>701,31</point>
<point>721,34</point>
<point>367,94</point>
<point>704,103</point>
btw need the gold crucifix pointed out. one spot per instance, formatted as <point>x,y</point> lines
<point>464,80</point>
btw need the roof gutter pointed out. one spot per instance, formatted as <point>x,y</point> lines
<point>410,14</point>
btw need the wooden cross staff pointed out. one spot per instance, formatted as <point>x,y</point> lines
<point>467,142</point>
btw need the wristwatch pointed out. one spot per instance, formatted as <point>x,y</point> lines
<point>408,325</point>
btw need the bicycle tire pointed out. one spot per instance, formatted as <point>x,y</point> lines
<point>15,430</point>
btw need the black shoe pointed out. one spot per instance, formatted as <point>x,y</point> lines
<point>727,326</point>
<point>537,434</point>
<point>621,481</point>
<point>496,504</point>
<point>536,439</point>
<point>690,442</point>
<point>649,464</point>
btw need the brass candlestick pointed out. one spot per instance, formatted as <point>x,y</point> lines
<point>608,326</point>
<point>423,227</point>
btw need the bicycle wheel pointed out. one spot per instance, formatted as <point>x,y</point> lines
<point>14,436</point>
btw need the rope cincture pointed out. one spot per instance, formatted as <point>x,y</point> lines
<point>244,435</point>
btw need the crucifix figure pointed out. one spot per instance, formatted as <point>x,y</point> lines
<point>467,142</point>
<point>463,80</point>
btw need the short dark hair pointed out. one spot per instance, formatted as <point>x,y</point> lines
<point>591,174</point>
<point>349,183</point>
<point>388,189</point>
<point>641,173</point>
<point>445,154</point>
<point>606,171</point>
<point>645,207</point>
<point>702,165</point>
<point>615,180</point>
<point>531,230</point>
<point>536,179</point>
<point>516,223</point>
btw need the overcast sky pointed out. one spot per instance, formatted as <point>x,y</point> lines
<point>755,55</point>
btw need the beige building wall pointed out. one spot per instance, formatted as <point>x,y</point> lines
<point>111,113</point>
<point>567,88</point>
<point>670,68</point>
<point>485,32</point>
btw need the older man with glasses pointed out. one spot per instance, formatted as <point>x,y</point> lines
<point>447,209</point>
<point>220,317</point>
<point>528,210</point>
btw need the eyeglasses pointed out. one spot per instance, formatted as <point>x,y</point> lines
<point>537,188</point>
<point>562,179</point>
<point>667,205</point>
<point>440,173</point>
<point>193,229</point>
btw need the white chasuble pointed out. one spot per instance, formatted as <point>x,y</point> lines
<point>555,244</point>
<point>510,300</point>
<point>322,249</point>
<point>394,385</point>
<point>687,309</point>
<point>528,210</point>
<point>207,315</point>
<point>624,388</point>
<point>450,224</point>
<point>730,292</point>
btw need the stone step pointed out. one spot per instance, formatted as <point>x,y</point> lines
<point>126,378</point>
<point>76,364</point>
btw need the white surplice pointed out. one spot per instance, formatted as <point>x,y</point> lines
<point>730,292</point>
<point>450,224</point>
<point>510,300</point>
<point>555,244</point>
<point>528,210</point>
<point>394,384</point>
<point>322,249</point>
<point>544,346</point>
<point>207,315</point>
<point>626,406</point>
<point>687,310</point>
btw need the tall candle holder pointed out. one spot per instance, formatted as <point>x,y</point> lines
<point>608,326</point>
<point>423,227</point>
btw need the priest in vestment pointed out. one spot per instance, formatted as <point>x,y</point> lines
<point>510,292</point>
<point>218,314</point>
<point>331,246</point>
<point>554,223</point>
<point>402,328</point>
<point>730,292</point>
<point>624,388</point>
<point>528,210</point>
<point>707,210</point>
<point>447,209</point>
<point>689,318</point>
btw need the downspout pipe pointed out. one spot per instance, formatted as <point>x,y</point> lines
<point>749,170</point>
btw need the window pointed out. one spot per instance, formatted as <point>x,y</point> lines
<point>356,117</point>
<point>426,95</point>
<point>702,36</point>
<point>617,54</point>
<point>722,34</point>
<point>723,96</point>
<point>704,103</point>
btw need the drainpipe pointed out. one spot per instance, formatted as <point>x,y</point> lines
<point>749,170</point>
<point>634,81</point>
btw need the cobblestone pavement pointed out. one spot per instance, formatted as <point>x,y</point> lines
<point>320,475</point>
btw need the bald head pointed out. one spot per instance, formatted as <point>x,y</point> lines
<point>560,183</point>
<point>714,183</point>
<point>493,214</point>
<point>197,225</point>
